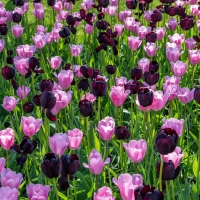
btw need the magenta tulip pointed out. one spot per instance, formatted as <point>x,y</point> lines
<point>39,11</point>
<point>172,24</point>
<point>55,62</point>
<point>17,30</point>
<point>8,194</point>
<point>119,28</point>
<point>179,68</point>
<point>89,29</point>
<point>77,71</point>
<point>184,95</point>
<point>22,92</point>
<point>9,103</point>
<point>142,31</point>
<point>104,193</point>
<point>173,54</point>
<point>21,64</point>
<point>194,57</point>
<point>75,137</point>
<point>134,42</point>
<point>111,10</point>
<point>124,14</point>
<point>150,49</point>
<point>190,43</point>
<point>160,33</point>
<point>40,40</point>
<point>26,50</point>
<point>76,49</point>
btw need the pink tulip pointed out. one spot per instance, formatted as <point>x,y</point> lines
<point>190,43</point>
<point>111,10</point>
<point>124,14</point>
<point>194,9</point>
<point>120,81</point>
<point>185,95</point>
<point>104,193</point>
<point>179,3</point>
<point>174,124</point>
<point>173,45</point>
<point>2,11</point>
<point>58,25</point>
<point>10,178</point>
<point>89,29</point>
<point>89,97</point>
<point>21,64</point>
<point>150,49</point>
<point>152,87</point>
<point>75,137</point>
<point>49,38</point>
<point>62,15</point>
<point>134,42</point>
<point>30,125</point>
<point>65,78</point>
<point>160,33</point>
<point>37,191</point>
<point>147,15</point>
<point>144,109</point>
<point>106,128</point>
<point>55,34</point>
<point>159,100</point>
<point>194,57</point>
<point>119,28</point>
<point>143,64</point>
<point>127,184</point>
<point>39,12</point>
<point>136,150</point>
<point>2,44</point>
<point>172,24</point>
<point>25,7</point>
<point>76,70</point>
<point>198,22</point>
<point>192,2</point>
<point>41,29</point>
<point>3,20</point>
<point>69,6</point>
<point>17,30</point>
<point>9,16</point>
<point>176,38</point>
<point>179,68</point>
<point>76,49</point>
<point>96,163</point>
<point>7,138</point>
<point>87,4</point>
<point>18,10</point>
<point>9,103</point>
<point>59,143</point>
<point>2,163</point>
<point>114,2</point>
<point>142,31</point>
<point>26,51</point>
<point>172,80</point>
<point>173,54</point>
<point>118,95</point>
<point>40,40</point>
<point>55,62</point>
<point>129,22</point>
<point>22,92</point>
<point>58,6</point>
<point>175,156</point>
<point>6,193</point>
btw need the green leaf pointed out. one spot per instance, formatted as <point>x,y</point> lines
<point>194,192</point>
<point>62,196</point>
<point>195,167</point>
<point>82,178</point>
<point>94,141</point>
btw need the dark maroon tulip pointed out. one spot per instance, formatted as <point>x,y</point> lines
<point>156,16</point>
<point>27,146</point>
<point>36,99</point>
<point>33,63</point>
<point>65,32</point>
<point>50,116</point>
<point>115,51</point>
<point>9,52</point>
<point>166,141</point>
<point>96,72</point>
<point>151,37</point>
<point>28,107</point>
<point>131,4</point>
<point>172,10</point>
<point>103,3</point>
<point>18,2</point>
<point>67,66</point>
<point>83,84</point>
<point>8,72</point>
<point>169,172</point>
<point>63,182</point>
<point>151,77</point>
<point>111,69</point>
<point>187,23</point>
<point>9,60</point>
<point>99,87</point>
<point>14,84</point>
<point>145,97</point>
<point>86,71</point>
<point>148,1</point>
<point>133,86</point>
<point>136,73</point>
<point>167,1</point>
<point>180,10</point>
<point>86,107</point>
<point>148,192</point>
<point>16,17</point>
<point>51,2</point>
<point>101,24</point>
<point>122,133</point>
<point>100,16</point>
<point>46,85</point>
<point>70,20</point>
<point>197,95</point>
<point>152,25</point>
<point>51,166</point>
<point>48,100</point>
<point>3,29</point>
<point>153,65</point>
<point>70,164</point>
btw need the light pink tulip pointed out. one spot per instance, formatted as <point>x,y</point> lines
<point>2,44</point>
<point>124,14</point>
<point>7,138</point>
<point>198,22</point>
<point>194,9</point>
<point>89,29</point>
<point>89,97</point>
<point>143,64</point>
<point>3,20</point>
<point>147,15</point>
<point>58,6</point>
<point>49,38</point>
<point>120,81</point>
<point>159,100</point>
<point>87,4</point>
<point>55,34</point>
<point>160,33</point>
<point>75,137</point>
<point>62,15</point>
<point>21,64</point>
<point>76,49</point>
<point>152,87</point>
<point>6,193</point>
<point>190,43</point>
<point>2,163</point>
<point>9,103</point>
<point>172,45</point>
<point>65,78</point>
<point>59,143</point>
<point>194,57</point>
<point>150,49</point>
<point>179,3</point>
<point>179,68</point>
<point>176,38</point>
<point>129,22</point>
<point>55,62</point>
<point>38,12</point>
<point>17,30</point>
<point>96,163</point>
<point>40,40</point>
<point>25,7</point>
<point>118,95</point>
<point>104,193</point>
<point>119,28</point>
<point>10,178</point>
<point>174,124</point>
<point>144,109</point>
<point>106,128</point>
<point>69,6</point>
<point>114,2</point>
<point>172,24</point>
<point>30,125</point>
<point>37,191</point>
<point>173,54</point>
<point>26,50</point>
<point>111,10</point>
<point>175,156</point>
<point>2,11</point>
<point>172,80</point>
<point>134,42</point>
<point>127,184</point>
<point>18,10</point>
<point>136,150</point>
<point>76,70</point>
<point>142,31</point>
<point>41,29</point>
<point>22,92</point>
<point>185,95</point>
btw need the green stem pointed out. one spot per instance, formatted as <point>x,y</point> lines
<point>167,190</point>
<point>170,109</point>
<point>109,177</point>
<point>87,134</point>
<point>121,154</point>
<point>99,108</point>
<point>11,122</point>
<point>161,170</point>
<point>198,173</point>
<point>96,182</point>
<point>135,168</point>
<point>68,188</point>
<point>7,160</point>
<point>27,171</point>
<point>32,84</point>
<point>46,129</point>
<point>74,184</point>
<point>173,195</point>
<point>55,188</point>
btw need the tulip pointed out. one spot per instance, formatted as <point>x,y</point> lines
<point>119,28</point>
<point>22,92</point>
<point>122,133</point>
<point>30,125</point>
<point>65,78</point>
<point>194,57</point>
<point>39,12</point>
<point>8,72</point>
<point>37,191</point>
<point>46,85</point>
<point>55,62</point>
<point>133,86</point>
<point>21,65</point>
<point>86,71</point>
<point>174,124</point>
<point>179,68</point>
<point>75,137</point>
<point>176,38</point>
<point>28,107</point>
<point>118,95</point>
<point>51,166</point>
<point>127,184</point>
<point>151,37</point>
<point>150,49</point>
<point>111,69</point>
<point>120,81</point>
<point>86,107</point>
<point>172,24</point>
<point>153,66</point>
<point>10,178</point>
<point>151,77</point>
<point>145,97</point>
<point>123,15</point>
<point>8,193</point>
<point>48,100</point>
<point>187,22</point>
<point>25,7</point>
<point>7,138</point>
<point>142,31</point>
<point>173,54</point>
<point>160,33</point>
<point>59,143</point>
<point>17,30</point>
<point>190,43</point>
<point>87,4</point>
<point>185,95</point>
<point>197,95</point>
<point>96,163</point>
<point>26,51</point>
<point>2,44</point>
<point>89,29</point>
<point>104,193</point>
<point>76,49</point>
<point>9,103</point>
<point>136,150</point>
<point>36,99</point>
<point>166,140</point>
<point>2,163</point>
<point>89,97</point>
<point>111,10</point>
<point>40,40</point>
<point>134,42</point>
<point>143,64</point>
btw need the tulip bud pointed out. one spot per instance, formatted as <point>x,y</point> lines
<point>96,72</point>
<point>86,107</point>
<point>48,100</point>
<point>33,63</point>
<point>36,99</point>
<point>99,86</point>
<point>28,107</point>
<point>86,71</point>
<point>136,73</point>
<point>51,2</point>
<point>63,182</point>
<point>131,4</point>
<point>122,133</point>
<point>3,29</point>
<point>151,77</point>
<point>10,52</point>
<point>133,86</point>
<point>151,37</point>
<point>156,16</point>
<point>8,72</point>
<point>19,2</point>
<point>83,84</point>
<point>16,17</point>
<point>145,97</point>
<point>111,69</point>
<point>46,85</point>
<point>153,66</point>
<point>197,95</point>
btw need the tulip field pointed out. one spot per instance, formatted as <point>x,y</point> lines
<point>100,100</point>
